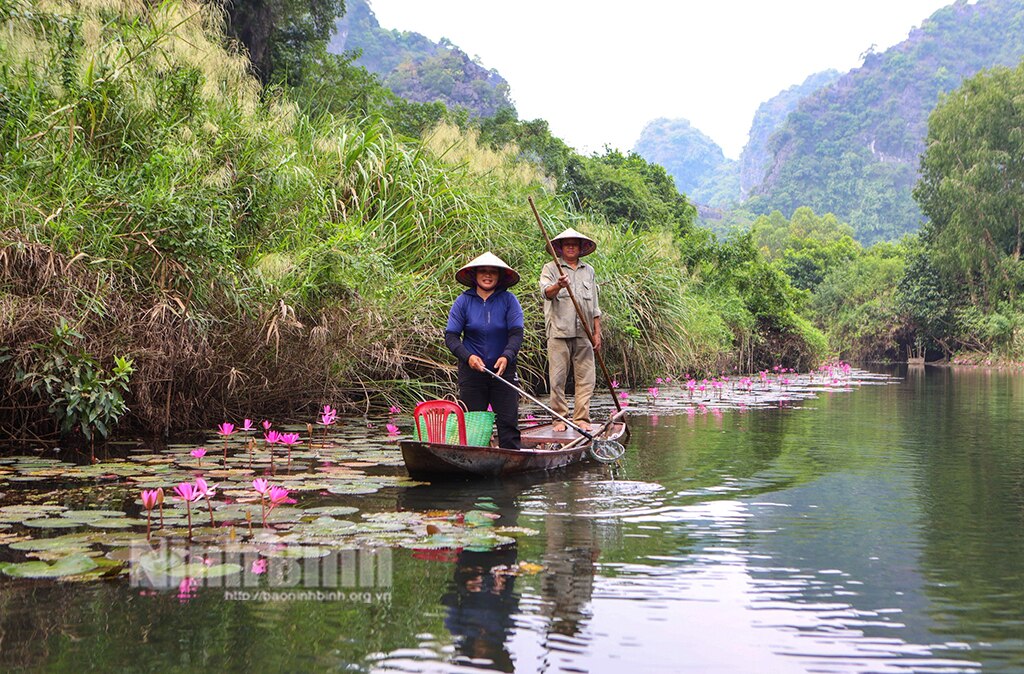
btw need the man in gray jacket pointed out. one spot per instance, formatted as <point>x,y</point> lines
<point>568,344</point>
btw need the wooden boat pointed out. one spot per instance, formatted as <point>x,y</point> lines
<point>543,449</point>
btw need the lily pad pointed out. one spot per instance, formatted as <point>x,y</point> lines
<point>53,523</point>
<point>332,510</point>
<point>68,566</point>
<point>89,515</point>
<point>298,552</point>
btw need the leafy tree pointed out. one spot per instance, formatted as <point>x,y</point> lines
<point>628,191</point>
<point>972,186</point>
<point>278,33</point>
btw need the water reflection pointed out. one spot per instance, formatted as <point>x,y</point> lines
<point>481,603</point>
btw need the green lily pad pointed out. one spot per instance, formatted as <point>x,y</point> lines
<point>68,566</point>
<point>115,522</point>
<point>298,552</point>
<point>89,515</point>
<point>53,523</point>
<point>332,510</point>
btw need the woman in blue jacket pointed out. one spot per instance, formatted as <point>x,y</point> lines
<point>485,331</point>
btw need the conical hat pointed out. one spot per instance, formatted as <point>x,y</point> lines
<point>467,275</point>
<point>587,245</point>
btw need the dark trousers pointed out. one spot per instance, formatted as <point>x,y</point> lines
<point>477,390</point>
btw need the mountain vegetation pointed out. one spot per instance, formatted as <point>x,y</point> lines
<point>853,148</point>
<point>756,159</point>
<point>416,68</point>
<point>692,159</point>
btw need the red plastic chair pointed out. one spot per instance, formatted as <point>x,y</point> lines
<point>435,415</point>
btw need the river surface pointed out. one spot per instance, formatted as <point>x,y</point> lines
<point>879,529</point>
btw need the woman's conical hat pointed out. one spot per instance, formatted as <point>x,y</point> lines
<point>587,245</point>
<point>467,275</point>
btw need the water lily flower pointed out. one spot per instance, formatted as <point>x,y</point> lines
<point>259,567</point>
<point>392,429</point>
<point>272,437</point>
<point>277,496</point>
<point>653,391</point>
<point>266,425</point>
<point>199,453</point>
<point>394,409</point>
<point>247,425</point>
<point>289,439</point>
<point>187,492</point>
<point>530,417</point>
<point>615,383</point>
<point>160,502</point>
<point>261,486</point>
<point>225,430</point>
<point>659,380</point>
<point>149,502</point>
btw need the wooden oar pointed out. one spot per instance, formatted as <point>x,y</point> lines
<point>579,311</point>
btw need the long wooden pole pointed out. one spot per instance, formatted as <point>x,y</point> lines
<point>579,311</point>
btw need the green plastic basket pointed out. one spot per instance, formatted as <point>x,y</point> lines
<point>479,426</point>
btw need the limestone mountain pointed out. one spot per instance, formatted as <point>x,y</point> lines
<point>852,148</point>
<point>696,163</point>
<point>417,68</point>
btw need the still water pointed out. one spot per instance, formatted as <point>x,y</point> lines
<point>876,530</point>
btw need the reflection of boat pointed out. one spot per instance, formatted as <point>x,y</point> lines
<point>543,449</point>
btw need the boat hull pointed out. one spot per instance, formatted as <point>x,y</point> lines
<point>429,460</point>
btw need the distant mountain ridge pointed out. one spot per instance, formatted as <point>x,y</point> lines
<point>853,147</point>
<point>417,68</point>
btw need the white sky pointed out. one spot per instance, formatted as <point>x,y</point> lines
<point>599,71</point>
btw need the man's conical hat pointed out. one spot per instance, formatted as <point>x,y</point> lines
<point>467,275</point>
<point>587,245</point>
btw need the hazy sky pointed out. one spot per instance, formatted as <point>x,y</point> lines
<point>599,71</point>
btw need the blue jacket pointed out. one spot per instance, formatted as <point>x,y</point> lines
<point>489,328</point>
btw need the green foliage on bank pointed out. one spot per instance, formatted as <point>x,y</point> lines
<point>249,254</point>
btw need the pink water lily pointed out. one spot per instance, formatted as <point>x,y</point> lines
<point>289,439</point>
<point>225,430</point>
<point>615,383</point>
<point>394,409</point>
<point>266,425</point>
<point>187,492</point>
<point>247,424</point>
<point>259,566</point>
<point>653,391</point>
<point>149,497</point>
<point>392,429</point>
<point>272,437</point>
<point>277,496</point>
<point>149,501</point>
<point>199,453</point>
<point>261,486</point>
